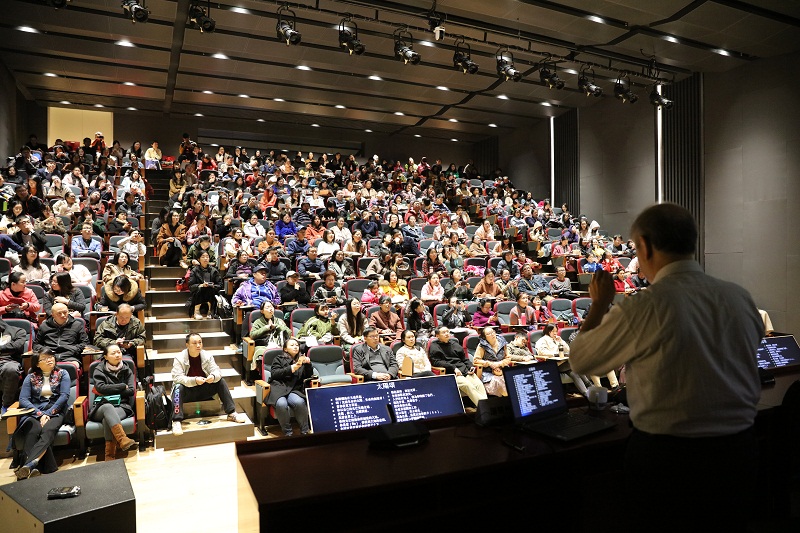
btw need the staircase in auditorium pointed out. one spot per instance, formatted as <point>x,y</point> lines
<point>167,324</point>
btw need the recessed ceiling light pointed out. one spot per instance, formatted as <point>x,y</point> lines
<point>28,29</point>
<point>208,92</point>
<point>64,102</point>
<point>125,43</point>
<point>243,96</point>
<point>279,99</point>
<point>571,71</point>
<point>492,125</point>
<point>399,113</point>
<point>302,67</point>
<point>50,75</point>
<point>198,114</point>
<point>547,104</point>
<point>453,120</point>
<point>376,78</point>
<point>502,97</point>
<point>340,107</point>
<point>132,109</point>
<point>454,140</point>
<point>241,10</point>
<point>368,131</point>
<point>99,105</point>
<point>671,39</point>
<point>213,144</point>
<point>260,120</point>
<point>595,18</point>
<point>442,88</point>
<point>721,52</point>
<point>315,125</point>
<point>219,56</point>
<point>426,43</point>
<point>417,135</point>
<point>129,84</point>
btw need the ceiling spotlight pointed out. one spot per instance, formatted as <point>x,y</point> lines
<point>505,65</point>
<point>436,23</point>
<point>589,88</point>
<point>462,57</point>
<point>348,39</point>
<point>658,100</point>
<point>403,47</point>
<point>286,28</point>
<point>136,9</point>
<point>623,91</point>
<point>200,17</point>
<point>550,77</point>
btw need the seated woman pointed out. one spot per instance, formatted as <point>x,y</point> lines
<point>56,190</point>
<point>523,314</point>
<point>552,345</point>
<point>235,242</point>
<point>50,223</point>
<point>491,354</point>
<point>34,270</point>
<point>341,266</point>
<point>202,244</point>
<point>285,227</point>
<point>432,263</point>
<point>432,292</point>
<point>119,225</point>
<point>351,325</point>
<point>204,284</point>
<point>487,288</point>
<point>322,326</point>
<point>419,319</point>
<point>46,391</point>
<point>452,258</point>
<point>8,224</point>
<point>327,247</point>
<point>288,375</point>
<point>484,316</point>
<point>253,228</point>
<point>409,349</point>
<point>119,265</point>
<point>477,248</point>
<point>541,313</point>
<point>62,291</point>
<point>315,230</point>
<point>517,350</point>
<point>269,330</point>
<point>501,247</point>
<point>121,290</point>
<point>240,269</point>
<point>169,242</point>
<point>356,245</point>
<point>79,273</point>
<point>113,377</point>
<point>394,288</point>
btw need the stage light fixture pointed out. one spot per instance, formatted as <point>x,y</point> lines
<point>403,47</point>
<point>588,87</point>
<point>286,27</point>
<point>348,38</point>
<point>550,77</point>
<point>200,17</point>
<point>462,57</point>
<point>436,23</point>
<point>623,92</point>
<point>659,100</point>
<point>136,10</point>
<point>505,65</point>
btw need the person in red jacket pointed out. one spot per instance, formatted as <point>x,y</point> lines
<point>17,300</point>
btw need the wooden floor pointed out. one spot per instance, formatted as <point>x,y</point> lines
<point>164,481</point>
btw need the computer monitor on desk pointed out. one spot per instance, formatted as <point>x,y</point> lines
<point>777,353</point>
<point>365,404</point>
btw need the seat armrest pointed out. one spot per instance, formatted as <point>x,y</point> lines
<point>140,406</point>
<point>251,347</point>
<point>140,357</point>
<point>262,390</point>
<point>438,370</point>
<point>11,423</point>
<point>356,378</point>
<point>81,411</point>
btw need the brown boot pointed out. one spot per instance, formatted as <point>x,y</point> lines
<point>111,450</point>
<point>122,439</point>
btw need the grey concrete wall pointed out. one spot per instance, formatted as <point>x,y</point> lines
<point>752,167</point>
<point>525,158</point>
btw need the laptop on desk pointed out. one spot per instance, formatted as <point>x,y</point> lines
<point>540,406</point>
<point>778,354</point>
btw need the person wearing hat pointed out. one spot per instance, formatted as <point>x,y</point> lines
<point>253,292</point>
<point>293,293</point>
<point>299,246</point>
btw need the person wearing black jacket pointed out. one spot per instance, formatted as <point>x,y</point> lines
<point>276,269</point>
<point>62,333</point>
<point>449,354</point>
<point>31,205</point>
<point>204,284</point>
<point>26,235</point>
<point>111,377</point>
<point>293,291</point>
<point>13,341</point>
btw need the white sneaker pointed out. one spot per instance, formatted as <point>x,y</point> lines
<point>236,417</point>
<point>177,429</point>
<point>198,316</point>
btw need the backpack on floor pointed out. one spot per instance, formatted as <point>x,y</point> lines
<point>157,405</point>
<point>224,307</point>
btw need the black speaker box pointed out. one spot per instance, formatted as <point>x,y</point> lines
<point>398,435</point>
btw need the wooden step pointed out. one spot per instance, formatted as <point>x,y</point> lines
<point>165,342</point>
<point>216,431</point>
<point>231,377</point>
<point>158,271</point>
<point>165,296</point>
<point>162,360</point>
<point>161,324</point>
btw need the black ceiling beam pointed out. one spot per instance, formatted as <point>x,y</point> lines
<point>178,33</point>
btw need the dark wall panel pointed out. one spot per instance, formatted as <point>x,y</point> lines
<point>567,161</point>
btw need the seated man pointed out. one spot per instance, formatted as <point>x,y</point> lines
<point>293,293</point>
<point>311,267</point>
<point>330,292</point>
<point>122,329</point>
<point>449,354</point>
<point>62,333</point>
<point>196,377</point>
<point>276,269</point>
<point>255,290</point>
<point>386,321</point>
<point>26,235</point>
<point>298,247</point>
<point>373,360</point>
<point>84,246</point>
<point>561,287</point>
<point>13,342</point>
